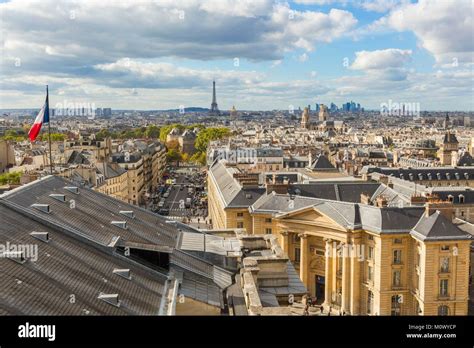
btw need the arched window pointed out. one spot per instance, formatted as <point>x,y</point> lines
<point>443,310</point>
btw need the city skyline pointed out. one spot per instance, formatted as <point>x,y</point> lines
<point>263,55</point>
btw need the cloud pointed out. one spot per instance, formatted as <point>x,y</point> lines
<point>381,59</point>
<point>126,73</point>
<point>444,28</point>
<point>303,57</point>
<point>381,5</point>
<point>51,35</point>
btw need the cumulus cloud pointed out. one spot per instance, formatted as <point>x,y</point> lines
<point>127,73</point>
<point>444,28</point>
<point>381,59</point>
<point>52,35</point>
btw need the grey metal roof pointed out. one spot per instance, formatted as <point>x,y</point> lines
<point>66,267</point>
<point>89,225</point>
<point>228,186</point>
<point>93,214</point>
<point>438,227</point>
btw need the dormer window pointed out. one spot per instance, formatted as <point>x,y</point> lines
<point>461,199</point>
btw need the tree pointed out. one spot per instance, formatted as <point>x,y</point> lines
<point>165,130</point>
<point>210,134</point>
<point>152,131</point>
<point>173,155</point>
<point>173,145</point>
<point>10,178</point>
<point>102,134</point>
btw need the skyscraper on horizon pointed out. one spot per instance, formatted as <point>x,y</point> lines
<point>214,108</point>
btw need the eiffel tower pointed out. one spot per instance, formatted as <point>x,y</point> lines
<point>214,109</point>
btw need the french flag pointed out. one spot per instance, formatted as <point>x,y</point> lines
<point>43,117</point>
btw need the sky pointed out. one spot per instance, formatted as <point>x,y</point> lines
<point>263,54</point>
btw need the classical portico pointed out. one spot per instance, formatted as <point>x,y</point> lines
<point>319,248</point>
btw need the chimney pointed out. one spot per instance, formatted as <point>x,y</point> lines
<point>364,198</point>
<point>434,203</point>
<point>417,200</point>
<point>278,187</point>
<point>383,179</point>
<point>381,201</point>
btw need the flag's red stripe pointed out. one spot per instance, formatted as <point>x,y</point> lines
<point>34,131</point>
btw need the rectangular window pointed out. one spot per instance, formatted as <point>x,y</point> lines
<point>397,278</point>
<point>370,302</point>
<point>445,248</point>
<point>268,231</point>
<point>397,257</point>
<point>370,237</point>
<point>268,220</point>
<point>370,253</point>
<point>240,224</point>
<point>398,241</point>
<point>396,305</point>
<point>370,273</point>
<point>240,214</point>
<point>297,254</point>
<point>443,287</point>
<point>444,264</point>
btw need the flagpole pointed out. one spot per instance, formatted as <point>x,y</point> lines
<point>49,131</point>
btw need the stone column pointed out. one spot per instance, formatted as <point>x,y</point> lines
<point>327,273</point>
<point>304,257</point>
<point>345,301</point>
<point>285,242</point>
<point>334,272</point>
<point>355,263</point>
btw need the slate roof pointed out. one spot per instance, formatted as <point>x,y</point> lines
<point>111,171</point>
<point>389,219</point>
<point>466,160</point>
<point>77,158</point>
<point>246,197</point>
<point>228,186</point>
<point>450,138</point>
<point>269,152</point>
<point>347,192</point>
<point>346,214</point>
<point>437,227</point>
<point>427,173</point>
<point>322,163</point>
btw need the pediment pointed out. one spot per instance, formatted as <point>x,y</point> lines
<point>311,216</point>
